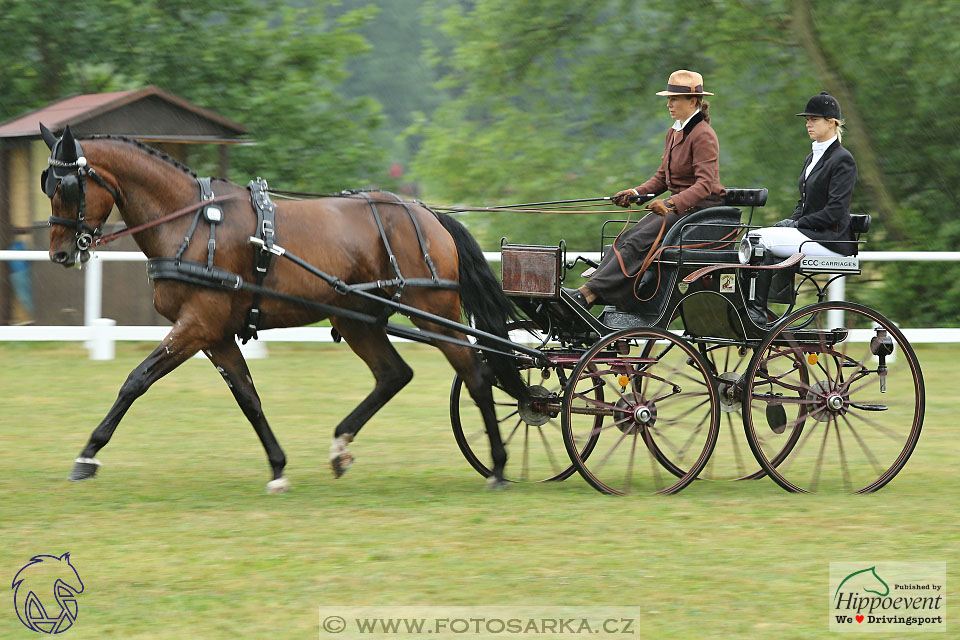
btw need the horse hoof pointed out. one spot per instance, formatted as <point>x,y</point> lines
<point>280,485</point>
<point>83,469</point>
<point>496,484</point>
<point>339,464</point>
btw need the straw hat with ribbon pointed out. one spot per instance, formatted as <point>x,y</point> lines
<point>684,83</point>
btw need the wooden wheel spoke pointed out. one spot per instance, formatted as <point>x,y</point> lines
<point>654,463</point>
<point>508,416</point>
<point>866,449</point>
<point>525,468</point>
<point>676,419</point>
<point>606,457</point>
<point>803,439</point>
<point>513,432</point>
<point>845,474</point>
<point>815,480</point>
<point>885,430</point>
<point>741,467</point>
<point>549,451</point>
<point>629,477</point>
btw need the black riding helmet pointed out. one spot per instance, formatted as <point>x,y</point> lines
<point>824,105</point>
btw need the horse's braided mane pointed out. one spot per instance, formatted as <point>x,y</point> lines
<point>144,148</point>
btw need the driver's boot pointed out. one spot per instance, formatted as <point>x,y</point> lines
<point>757,308</point>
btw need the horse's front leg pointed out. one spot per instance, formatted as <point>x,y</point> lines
<point>171,353</point>
<point>228,360</point>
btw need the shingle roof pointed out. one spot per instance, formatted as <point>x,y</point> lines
<point>77,110</point>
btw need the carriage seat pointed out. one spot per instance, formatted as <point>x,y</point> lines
<point>847,265</point>
<point>716,228</point>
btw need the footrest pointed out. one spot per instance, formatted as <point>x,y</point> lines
<point>812,337</point>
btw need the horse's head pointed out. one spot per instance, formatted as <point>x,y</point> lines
<point>77,210</point>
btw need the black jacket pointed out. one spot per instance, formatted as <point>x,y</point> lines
<point>823,211</point>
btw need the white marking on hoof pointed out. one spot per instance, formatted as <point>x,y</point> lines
<point>341,458</point>
<point>89,461</point>
<point>280,485</point>
<point>495,483</point>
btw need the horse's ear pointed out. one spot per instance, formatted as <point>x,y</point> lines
<point>48,136</point>
<point>65,556</point>
<point>68,150</point>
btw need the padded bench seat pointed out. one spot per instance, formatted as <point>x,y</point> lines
<point>701,256</point>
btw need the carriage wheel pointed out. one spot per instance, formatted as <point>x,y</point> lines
<point>860,392</point>
<point>531,431</point>
<point>732,458</point>
<point>656,427</point>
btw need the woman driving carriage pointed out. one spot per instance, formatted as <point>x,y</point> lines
<point>821,224</point>
<point>689,169</point>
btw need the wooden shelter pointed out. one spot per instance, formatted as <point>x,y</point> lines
<point>151,115</point>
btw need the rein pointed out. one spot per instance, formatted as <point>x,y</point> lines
<point>166,218</point>
<point>656,250</point>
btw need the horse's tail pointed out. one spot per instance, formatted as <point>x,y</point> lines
<point>485,304</point>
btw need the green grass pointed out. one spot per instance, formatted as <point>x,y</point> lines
<point>176,538</point>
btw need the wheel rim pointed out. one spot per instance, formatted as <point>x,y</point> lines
<point>852,437</point>
<point>531,432</point>
<point>660,407</point>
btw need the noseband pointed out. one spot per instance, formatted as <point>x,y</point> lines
<point>76,186</point>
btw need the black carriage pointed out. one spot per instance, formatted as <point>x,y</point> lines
<point>829,394</point>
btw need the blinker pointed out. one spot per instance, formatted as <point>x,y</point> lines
<point>70,188</point>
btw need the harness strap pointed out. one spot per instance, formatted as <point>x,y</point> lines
<point>386,245</point>
<point>263,237</point>
<point>423,243</point>
<point>197,273</point>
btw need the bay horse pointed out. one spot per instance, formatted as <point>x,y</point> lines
<point>344,236</point>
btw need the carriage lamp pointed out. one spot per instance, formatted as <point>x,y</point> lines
<point>750,251</point>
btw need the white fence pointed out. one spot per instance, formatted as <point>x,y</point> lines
<point>98,334</point>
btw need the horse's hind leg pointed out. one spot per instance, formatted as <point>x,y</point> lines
<point>478,379</point>
<point>171,353</point>
<point>228,360</point>
<point>391,374</point>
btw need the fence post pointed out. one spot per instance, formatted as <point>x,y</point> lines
<point>102,345</point>
<point>92,292</point>
<point>836,291</point>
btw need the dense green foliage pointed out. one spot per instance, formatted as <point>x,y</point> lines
<point>488,102</point>
<point>275,67</point>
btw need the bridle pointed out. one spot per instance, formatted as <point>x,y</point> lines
<point>73,185</point>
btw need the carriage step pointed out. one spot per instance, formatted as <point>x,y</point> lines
<point>616,319</point>
<point>869,407</point>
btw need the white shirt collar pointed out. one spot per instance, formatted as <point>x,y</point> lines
<point>820,147</point>
<point>680,125</point>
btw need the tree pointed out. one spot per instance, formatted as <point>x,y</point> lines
<point>275,67</point>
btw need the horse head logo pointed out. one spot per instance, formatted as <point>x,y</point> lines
<point>32,588</point>
<point>864,580</point>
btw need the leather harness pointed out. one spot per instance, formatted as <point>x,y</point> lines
<point>208,275</point>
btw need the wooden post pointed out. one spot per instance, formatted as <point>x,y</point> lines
<point>6,233</point>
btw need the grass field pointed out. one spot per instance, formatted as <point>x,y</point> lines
<point>177,539</point>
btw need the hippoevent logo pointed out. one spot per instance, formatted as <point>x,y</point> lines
<point>45,594</point>
<point>888,596</point>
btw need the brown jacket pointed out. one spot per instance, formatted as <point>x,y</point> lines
<point>690,167</point>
